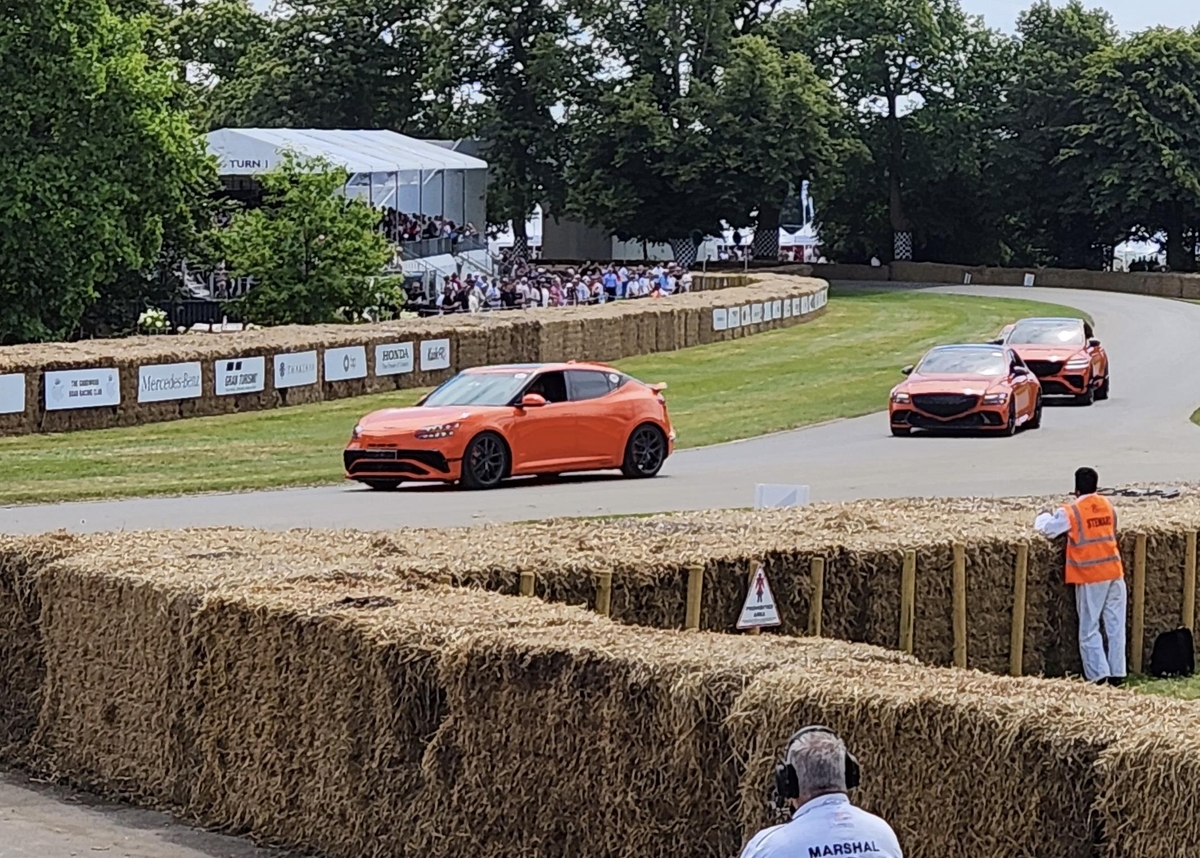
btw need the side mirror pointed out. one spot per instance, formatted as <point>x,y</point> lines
<point>1093,342</point>
<point>999,341</point>
<point>907,370</point>
<point>533,400</point>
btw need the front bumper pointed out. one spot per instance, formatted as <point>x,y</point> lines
<point>1066,383</point>
<point>983,418</point>
<point>379,463</point>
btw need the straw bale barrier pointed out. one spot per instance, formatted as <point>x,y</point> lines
<point>307,691</point>
<point>195,376</point>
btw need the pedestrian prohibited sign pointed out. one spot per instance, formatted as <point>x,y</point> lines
<point>759,610</point>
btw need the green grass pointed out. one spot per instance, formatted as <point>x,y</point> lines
<point>840,365</point>
<point>1181,689</point>
<point>1196,416</point>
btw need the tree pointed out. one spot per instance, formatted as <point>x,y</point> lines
<point>1139,139</point>
<point>315,255</point>
<point>97,156</point>
<point>1054,220</point>
<point>523,60</point>
<point>768,122</point>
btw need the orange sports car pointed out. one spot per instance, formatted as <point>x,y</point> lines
<point>985,387</point>
<point>1064,354</point>
<point>490,423</point>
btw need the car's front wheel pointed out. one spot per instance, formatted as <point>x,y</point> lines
<point>1087,397</point>
<point>485,461</point>
<point>645,452</point>
<point>382,485</point>
<point>1102,390</point>
<point>1010,428</point>
<point>1035,422</point>
<point>901,431</point>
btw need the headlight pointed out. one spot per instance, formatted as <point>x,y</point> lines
<point>900,398</point>
<point>995,399</point>
<point>1079,363</point>
<point>357,433</point>
<point>441,430</point>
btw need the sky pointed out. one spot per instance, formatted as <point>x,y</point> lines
<point>1129,15</point>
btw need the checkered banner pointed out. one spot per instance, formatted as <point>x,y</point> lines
<point>684,251</point>
<point>520,247</point>
<point>766,244</point>
<point>903,245</point>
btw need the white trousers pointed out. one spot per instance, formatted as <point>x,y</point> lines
<point>1103,601</point>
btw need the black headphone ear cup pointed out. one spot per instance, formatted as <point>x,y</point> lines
<point>786,785</point>
<point>853,772</point>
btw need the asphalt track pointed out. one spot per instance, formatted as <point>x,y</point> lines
<point>1141,434</point>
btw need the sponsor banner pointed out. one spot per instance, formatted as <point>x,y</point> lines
<point>435,354</point>
<point>720,319</point>
<point>12,393</point>
<point>345,363</point>
<point>1028,280</point>
<point>82,388</point>
<point>796,307</point>
<point>167,381</point>
<point>756,314</point>
<point>768,311</point>
<point>787,308</point>
<point>806,305</point>
<point>821,299</point>
<point>776,309</point>
<point>295,370</point>
<point>746,315</point>
<point>240,375</point>
<point>735,317</point>
<point>393,358</point>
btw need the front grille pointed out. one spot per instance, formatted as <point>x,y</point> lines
<point>395,461</point>
<point>1042,368</point>
<point>978,420</point>
<point>944,404</point>
<point>1054,387</point>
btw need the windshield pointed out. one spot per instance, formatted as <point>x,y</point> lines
<point>963,362</point>
<point>1047,332</point>
<point>479,388</point>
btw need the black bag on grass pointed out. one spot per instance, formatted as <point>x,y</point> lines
<point>1174,654</point>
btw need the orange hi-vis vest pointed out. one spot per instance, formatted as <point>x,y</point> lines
<point>1092,551</point>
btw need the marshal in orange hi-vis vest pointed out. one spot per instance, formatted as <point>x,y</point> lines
<point>1092,551</point>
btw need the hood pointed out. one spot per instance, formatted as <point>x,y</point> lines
<point>389,420</point>
<point>1063,352</point>
<point>975,385</point>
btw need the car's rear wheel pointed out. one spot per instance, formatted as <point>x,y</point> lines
<point>382,485</point>
<point>645,452</point>
<point>901,431</point>
<point>485,461</point>
<point>1102,390</point>
<point>1035,422</point>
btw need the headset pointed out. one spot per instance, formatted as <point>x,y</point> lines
<point>787,786</point>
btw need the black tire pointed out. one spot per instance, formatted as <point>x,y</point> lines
<point>1035,422</point>
<point>382,485</point>
<point>645,452</point>
<point>485,461</point>
<point>1010,428</point>
<point>1102,390</point>
<point>901,431</point>
<point>1087,397</point>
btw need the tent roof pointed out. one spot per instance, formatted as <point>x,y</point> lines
<point>250,151</point>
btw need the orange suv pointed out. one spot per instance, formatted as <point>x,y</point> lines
<point>1064,354</point>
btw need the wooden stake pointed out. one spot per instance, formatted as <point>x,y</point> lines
<point>908,595</point>
<point>960,606</point>
<point>695,591</point>
<point>604,593</point>
<point>818,596</point>
<point>1189,583</point>
<point>1017,646</point>
<point>527,583</point>
<point>1138,627</point>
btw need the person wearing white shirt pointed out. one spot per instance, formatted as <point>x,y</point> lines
<point>685,282</point>
<point>814,778</point>
<point>1094,568</point>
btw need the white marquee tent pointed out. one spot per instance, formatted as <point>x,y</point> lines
<point>388,169</point>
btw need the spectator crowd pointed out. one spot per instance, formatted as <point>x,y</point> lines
<point>525,286</point>
<point>399,227</point>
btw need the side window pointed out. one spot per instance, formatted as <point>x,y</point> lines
<point>551,385</point>
<point>587,384</point>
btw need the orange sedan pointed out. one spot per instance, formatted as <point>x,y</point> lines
<point>985,387</point>
<point>490,423</point>
<point>1064,354</point>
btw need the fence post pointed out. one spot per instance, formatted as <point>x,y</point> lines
<point>817,574</point>
<point>908,593</point>
<point>1138,628</point>
<point>960,606</point>
<point>604,593</point>
<point>1189,582</point>
<point>695,591</point>
<point>526,583</point>
<point>1017,646</point>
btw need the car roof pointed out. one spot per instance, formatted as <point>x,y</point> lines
<point>1049,319</point>
<point>561,365</point>
<point>988,346</point>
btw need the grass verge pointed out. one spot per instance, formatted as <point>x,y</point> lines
<point>841,365</point>
<point>1181,689</point>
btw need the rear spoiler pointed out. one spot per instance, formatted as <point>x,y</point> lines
<point>658,386</point>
